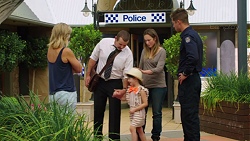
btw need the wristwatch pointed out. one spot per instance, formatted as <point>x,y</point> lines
<point>184,73</point>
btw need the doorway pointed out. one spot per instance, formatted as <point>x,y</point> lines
<point>136,48</point>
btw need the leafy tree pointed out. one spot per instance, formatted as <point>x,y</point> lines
<point>36,54</point>
<point>172,47</point>
<point>11,49</point>
<point>83,41</point>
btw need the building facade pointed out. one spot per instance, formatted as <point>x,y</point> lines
<point>212,18</point>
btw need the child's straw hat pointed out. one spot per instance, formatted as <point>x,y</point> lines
<point>136,73</point>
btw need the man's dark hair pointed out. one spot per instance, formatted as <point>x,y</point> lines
<point>180,14</point>
<point>124,35</point>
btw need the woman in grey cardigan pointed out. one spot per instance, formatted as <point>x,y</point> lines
<point>152,66</point>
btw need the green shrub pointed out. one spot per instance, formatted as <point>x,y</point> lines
<point>11,49</point>
<point>226,87</point>
<point>36,121</point>
<point>36,52</point>
<point>83,40</point>
<point>172,47</point>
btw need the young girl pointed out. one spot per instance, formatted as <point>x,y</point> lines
<point>137,97</point>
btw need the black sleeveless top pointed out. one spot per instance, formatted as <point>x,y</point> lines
<point>60,76</point>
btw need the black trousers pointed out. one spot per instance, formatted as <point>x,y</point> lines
<point>103,92</point>
<point>189,98</point>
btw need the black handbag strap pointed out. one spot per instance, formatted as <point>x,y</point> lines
<point>109,62</point>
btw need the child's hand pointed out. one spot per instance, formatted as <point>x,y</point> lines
<point>132,110</point>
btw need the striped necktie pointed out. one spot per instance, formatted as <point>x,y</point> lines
<point>108,70</point>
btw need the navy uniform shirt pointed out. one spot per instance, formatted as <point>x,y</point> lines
<point>191,52</point>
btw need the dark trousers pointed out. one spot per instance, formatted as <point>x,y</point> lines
<point>189,98</point>
<point>103,92</point>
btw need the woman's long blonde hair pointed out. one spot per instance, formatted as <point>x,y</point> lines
<point>151,32</point>
<point>60,35</point>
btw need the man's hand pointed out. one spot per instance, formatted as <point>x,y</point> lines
<point>181,78</point>
<point>87,79</point>
<point>118,93</point>
<point>91,64</point>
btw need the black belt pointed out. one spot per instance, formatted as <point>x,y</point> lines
<point>52,93</point>
<point>108,79</point>
<point>193,73</point>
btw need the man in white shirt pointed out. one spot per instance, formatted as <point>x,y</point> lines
<point>117,80</point>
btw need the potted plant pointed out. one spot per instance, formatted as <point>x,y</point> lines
<point>225,103</point>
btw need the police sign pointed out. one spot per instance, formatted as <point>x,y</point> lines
<point>116,18</point>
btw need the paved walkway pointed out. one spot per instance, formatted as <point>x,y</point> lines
<point>177,135</point>
<point>171,131</point>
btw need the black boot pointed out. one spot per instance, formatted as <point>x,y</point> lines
<point>155,138</point>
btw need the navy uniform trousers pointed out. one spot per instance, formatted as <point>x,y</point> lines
<point>189,98</point>
<point>103,92</point>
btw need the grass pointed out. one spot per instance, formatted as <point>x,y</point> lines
<point>37,121</point>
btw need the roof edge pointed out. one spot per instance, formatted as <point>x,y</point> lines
<point>32,21</point>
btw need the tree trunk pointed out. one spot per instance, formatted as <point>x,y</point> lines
<point>33,79</point>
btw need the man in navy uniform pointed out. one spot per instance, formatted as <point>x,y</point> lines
<point>190,64</point>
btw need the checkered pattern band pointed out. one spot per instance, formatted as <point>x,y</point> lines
<point>111,18</point>
<point>158,17</point>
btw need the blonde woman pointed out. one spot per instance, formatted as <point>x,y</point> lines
<point>62,64</point>
<point>152,67</point>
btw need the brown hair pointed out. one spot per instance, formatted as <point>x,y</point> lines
<point>131,76</point>
<point>180,14</point>
<point>124,35</point>
<point>151,32</point>
<point>59,35</point>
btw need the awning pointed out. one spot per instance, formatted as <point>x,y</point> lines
<point>7,7</point>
